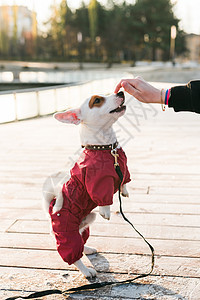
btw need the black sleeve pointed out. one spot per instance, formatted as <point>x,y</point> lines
<point>186,98</point>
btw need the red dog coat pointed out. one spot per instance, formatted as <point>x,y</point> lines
<point>93,182</point>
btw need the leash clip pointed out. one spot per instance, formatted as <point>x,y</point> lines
<point>114,153</point>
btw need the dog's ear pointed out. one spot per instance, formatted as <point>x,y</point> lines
<point>71,116</point>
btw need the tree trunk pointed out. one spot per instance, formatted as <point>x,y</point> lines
<point>153,53</point>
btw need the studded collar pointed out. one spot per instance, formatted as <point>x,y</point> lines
<point>101,147</point>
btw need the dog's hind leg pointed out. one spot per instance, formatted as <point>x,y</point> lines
<point>89,250</point>
<point>87,272</point>
<point>89,219</point>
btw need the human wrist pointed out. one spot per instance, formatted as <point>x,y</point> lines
<point>158,96</point>
<point>162,96</point>
<point>162,99</point>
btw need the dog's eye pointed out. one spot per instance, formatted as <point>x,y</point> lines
<point>97,100</point>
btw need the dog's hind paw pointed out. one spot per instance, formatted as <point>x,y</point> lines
<point>90,273</point>
<point>87,272</point>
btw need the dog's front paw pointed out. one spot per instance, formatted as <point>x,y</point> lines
<point>124,191</point>
<point>105,212</point>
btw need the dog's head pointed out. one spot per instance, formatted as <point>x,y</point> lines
<point>95,111</point>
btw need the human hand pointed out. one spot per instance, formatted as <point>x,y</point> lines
<point>140,89</point>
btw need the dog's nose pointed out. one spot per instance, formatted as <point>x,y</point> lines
<point>120,94</point>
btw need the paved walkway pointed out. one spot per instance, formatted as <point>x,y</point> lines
<point>163,150</point>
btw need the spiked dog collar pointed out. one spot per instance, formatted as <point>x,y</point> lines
<point>101,147</point>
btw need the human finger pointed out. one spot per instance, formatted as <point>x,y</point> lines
<point>129,88</point>
<point>118,87</point>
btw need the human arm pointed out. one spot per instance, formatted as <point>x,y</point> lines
<point>140,89</point>
<point>186,97</point>
<point>182,98</point>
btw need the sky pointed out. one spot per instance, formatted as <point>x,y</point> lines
<point>186,10</point>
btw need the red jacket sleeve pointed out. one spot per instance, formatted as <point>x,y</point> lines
<point>100,188</point>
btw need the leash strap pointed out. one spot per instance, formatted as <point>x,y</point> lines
<point>98,285</point>
<point>119,172</point>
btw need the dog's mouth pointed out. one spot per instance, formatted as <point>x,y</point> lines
<point>120,108</point>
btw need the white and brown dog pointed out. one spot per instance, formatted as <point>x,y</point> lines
<point>93,178</point>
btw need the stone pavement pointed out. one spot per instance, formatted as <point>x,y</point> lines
<point>163,150</point>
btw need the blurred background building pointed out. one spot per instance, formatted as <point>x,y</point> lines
<point>94,32</point>
<point>18,28</point>
<point>193,46</point>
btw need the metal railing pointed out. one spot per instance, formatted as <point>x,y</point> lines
<point>30,103</point>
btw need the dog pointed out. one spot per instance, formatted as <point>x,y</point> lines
<point>93,181</point>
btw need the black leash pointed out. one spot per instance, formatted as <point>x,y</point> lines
<point>97,285</point>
